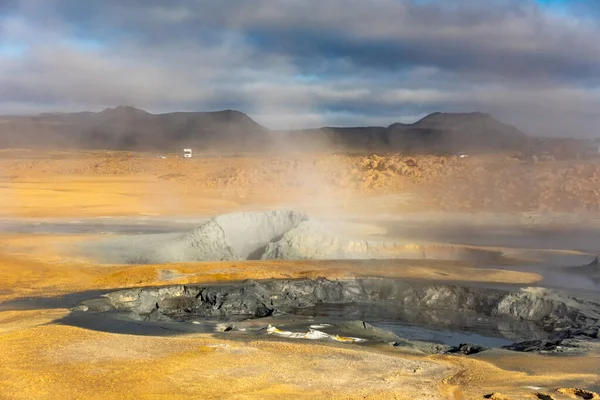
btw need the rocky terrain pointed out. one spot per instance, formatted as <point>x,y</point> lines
<point>448,183</point>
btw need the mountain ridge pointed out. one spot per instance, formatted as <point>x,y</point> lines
<point>130,128</point>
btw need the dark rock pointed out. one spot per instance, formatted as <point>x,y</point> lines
<point>579,393</point>
<point>535,345</point>
<point>468,349</point>
<point>496,396</point>
<point>593,333</point>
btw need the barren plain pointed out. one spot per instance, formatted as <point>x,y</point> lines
<point>542,218</point>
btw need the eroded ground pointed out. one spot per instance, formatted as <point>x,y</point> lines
<point>41,277</point>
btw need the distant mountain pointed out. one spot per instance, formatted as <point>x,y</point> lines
<point>437,132</point>
<point>456,132</point>
<point>129,128</point>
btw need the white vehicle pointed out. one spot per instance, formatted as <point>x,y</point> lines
<point>187,153</point>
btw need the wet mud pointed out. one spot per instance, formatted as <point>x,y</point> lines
<point>533,316</point>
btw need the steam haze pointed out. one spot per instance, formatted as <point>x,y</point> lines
<point>309,63</point>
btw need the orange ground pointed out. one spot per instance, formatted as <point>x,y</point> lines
<point>39,360</point>
<point>55,184</point>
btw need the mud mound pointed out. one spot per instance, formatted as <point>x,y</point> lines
<point>236,236</point>
<point>310,240</point>
<point>270,235</point>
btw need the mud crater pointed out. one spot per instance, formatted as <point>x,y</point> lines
<point>525,314</point>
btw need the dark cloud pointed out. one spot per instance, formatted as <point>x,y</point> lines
<point>382,60</point>
<point>517,40</point>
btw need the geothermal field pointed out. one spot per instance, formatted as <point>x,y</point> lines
<point>300,199</point>
<point>321,275</point>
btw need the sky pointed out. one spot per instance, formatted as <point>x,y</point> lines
<point>309,63</point>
